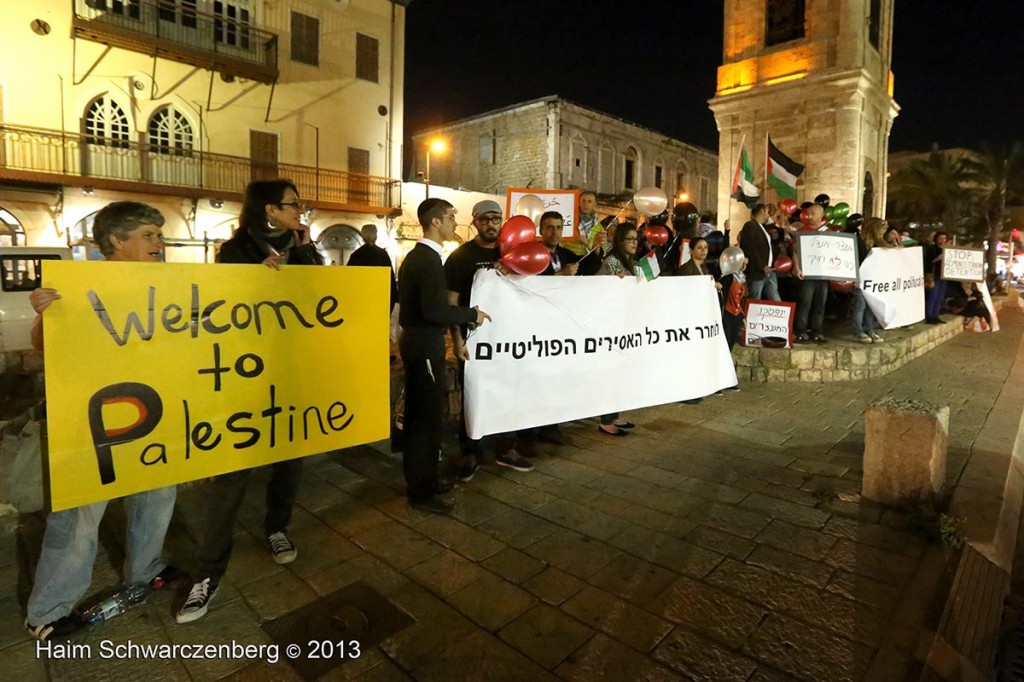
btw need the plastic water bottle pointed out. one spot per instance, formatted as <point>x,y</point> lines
<point>117,603</point>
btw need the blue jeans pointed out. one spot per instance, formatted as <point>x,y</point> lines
<point>766,289</point>
<point>934,299</point>
<point>69,551</point>
<point>863,318</point>
<point>810,310</point>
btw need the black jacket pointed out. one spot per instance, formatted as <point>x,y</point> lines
<point>246,247</point>
<point>423,295</point>
<point>373,255</point>
<point>755,248</point>
<point>565,257</point>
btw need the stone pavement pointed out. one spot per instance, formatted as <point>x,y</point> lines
<point>722,541</point>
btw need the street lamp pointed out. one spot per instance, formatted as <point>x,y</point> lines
<point>438,147</point>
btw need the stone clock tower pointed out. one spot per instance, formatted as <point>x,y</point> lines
<point>815,75</point>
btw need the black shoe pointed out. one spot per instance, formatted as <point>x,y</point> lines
<point>198,601</point>
<point>801,338</point>
<point>625,425</point>
<point>932,320</point>
<point>445,486</point>
<point>819,338</point>
<point>466,473</point>
<point>61,627</point>
<point>432,506</point>
<point>617,432</point>
<point>692,401</point>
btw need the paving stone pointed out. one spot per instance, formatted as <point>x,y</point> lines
<point>653,519</point>
<point>554,586</point>
<point>797,496</point>
<point>573,553</point>
<point>24,662</point>
<point>864,590</point>
<point>710,611</point>
<point>316,494</point>
<point>787,511</point>
<point>790,565</point>
<point>571,472</point>
<point>888,567</point>
<point>574,492</point>
<point>807,652</point>
<point>767,674</point>
<point>474,509</point>
<point>626,623</point>
<point>603,658</point>
<point>129,626</point>
<point>446,573</point>
<point>224,624</point>
<point>699,658</point>
<point>481,657</point>
<point>742,522</point>
<point>812,544</point>
<point>512,493</point>
<point>638,582</point>
<point>514,566</point>
<point>605,462</point>
<point>877,536</point>
<point>671,553</point>
<point>437,627</point>
<point>385,671</point>
<point>546,635</point>
<point>397,544</point>
<point>469,542</point>
<point>351,517</point>
<point>491,602</point>
<point>720,541</point>
<point>277,594</point>
<point>581,519</point>
<point>366,568</point>
<point>319,547</point>
<point>517,528</point>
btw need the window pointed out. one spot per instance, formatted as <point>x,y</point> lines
<point>305,39</point>
<point>177,11</point>
<point>262,155</point>
<point>170,133</point>
<point>875,22</point>
<point>629,179</point>
<point>18,273</point>
<point>106,123</point>
<point>367,61</point>
<point>784,21</point>
<point>488,143</point>
<point>358,160</point>
<point>231,24</point>
<point>658,172</point>
<point>705,194</point>
<point>126,8</point>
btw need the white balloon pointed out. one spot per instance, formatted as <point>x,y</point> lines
<point>531,206</point>
<point>731,260</point>
<point>650,200</point>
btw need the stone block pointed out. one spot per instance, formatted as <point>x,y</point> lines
<point>824,360</point>
<point>828,374</point>
<point>744,356</point>
<point>858,357</point>
<point>811,375</point>
<point>905,445</point>
<point>773,375</point>
<point>775,358</point>
<point>804,359</point>
<point>860,373</point>
<point>841,374</point>
<point>792,375</point>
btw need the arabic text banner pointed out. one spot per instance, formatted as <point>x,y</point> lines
<point>565,348</point>
<point>158,374</point>
<point>893,284</point>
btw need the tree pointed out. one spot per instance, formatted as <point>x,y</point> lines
<point>998,175</point>
<point>934,191</point>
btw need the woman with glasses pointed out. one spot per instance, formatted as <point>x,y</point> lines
<point>620,261</point>
<point>270,232</point>
<point>872,235</point>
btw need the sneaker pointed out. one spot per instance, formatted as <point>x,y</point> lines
<point>60,627</point>
<point>434,505</point>
<point>877,338</point>
<point>466,473</point>
<point>282,548</point>
<point>819,338</point>
<point>802,338</point>
<point>198,601</point>
<point>863,338</point>
<point>512,460</point>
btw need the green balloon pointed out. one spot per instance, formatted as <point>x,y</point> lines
<point>839,221</point>
<point>830,212</point>
<point>842,209</point>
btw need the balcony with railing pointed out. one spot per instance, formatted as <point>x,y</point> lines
<point>225,41</point>
<point>51,156</point>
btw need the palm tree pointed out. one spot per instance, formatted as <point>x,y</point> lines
<point>998,174</point>
<point>933,191</point>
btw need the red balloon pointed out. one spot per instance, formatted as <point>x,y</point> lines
<point>841,287</point>
<point>528,258</point>
<point>783,264</point>
<point>788,206</point>
<point>805,216</point>
<point>516,230</point>
<point>656,235</point>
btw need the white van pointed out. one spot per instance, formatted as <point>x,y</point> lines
<point>20,273</point>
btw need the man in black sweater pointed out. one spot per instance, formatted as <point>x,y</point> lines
<point>425,315</point>
<point>371,254</point>
<point>757,247</point>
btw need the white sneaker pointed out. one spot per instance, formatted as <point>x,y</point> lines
<point>863,338</point>
<point>877,338</point>
<point>282,548</point>
<point>198,601</point>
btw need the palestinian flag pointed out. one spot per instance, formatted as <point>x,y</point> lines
<point>743,188</point>
<point>647,268</point>
<point>782,172</point>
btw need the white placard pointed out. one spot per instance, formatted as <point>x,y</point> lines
<point>564,348</point>
<point>828,255</point>
<point>564,201</point>
<point>768,319</point>
<point>893,284</point>
<point>963,265</point>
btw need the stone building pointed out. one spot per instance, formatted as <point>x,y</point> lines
<point>180,103</point>
<point>552,143</point>
<point>815,76</point>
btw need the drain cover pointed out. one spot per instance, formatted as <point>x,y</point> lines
<point>324,630</point>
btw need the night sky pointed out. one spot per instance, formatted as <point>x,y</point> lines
<point>959,65</point>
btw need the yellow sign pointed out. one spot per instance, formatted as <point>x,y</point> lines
<point>158,374</point>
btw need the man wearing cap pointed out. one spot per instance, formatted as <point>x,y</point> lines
<point>480,253</point>
<point>372,255</point>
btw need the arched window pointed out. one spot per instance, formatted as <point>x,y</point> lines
<point>170,133</point>
<point>868,206</point>
<point>630,168</point>
<point>106,123</point>
<point>11,231</point>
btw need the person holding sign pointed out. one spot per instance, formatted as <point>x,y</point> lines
<point>872,235</point>
<point>425,314</point>
<point>810,310</point>
<point>620,261</point>
<point>123,231</point>
<point>935,295</point>
<point>270,232</point>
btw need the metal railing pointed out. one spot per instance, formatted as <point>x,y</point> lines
<point>51,152</point>
<point>177,28</point>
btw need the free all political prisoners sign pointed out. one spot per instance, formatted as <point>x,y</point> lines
<point>828,255</point>
<point>158,374</point>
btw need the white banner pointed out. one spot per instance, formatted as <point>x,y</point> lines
<point>565,348</point>
<point>893,284</point>
<point>964,265</point>
<point>828,255</point>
